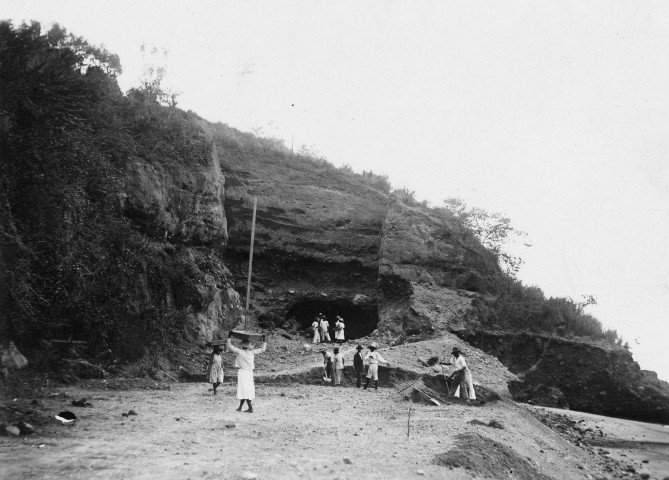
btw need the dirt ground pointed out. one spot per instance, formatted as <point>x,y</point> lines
<point>297,431</point>
<point>636,447</point>
<point>302,428</point>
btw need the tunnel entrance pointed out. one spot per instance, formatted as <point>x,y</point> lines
<point>360,320</point>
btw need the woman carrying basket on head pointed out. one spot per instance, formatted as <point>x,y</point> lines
<point>244,361</point>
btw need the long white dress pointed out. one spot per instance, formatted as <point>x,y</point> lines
<point>317,335</point>
<point>459,363</point>
<point>244,361</point>
<point>339,333</point>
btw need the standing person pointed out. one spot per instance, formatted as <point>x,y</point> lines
<point>358,364</point>
<point>339,330</point>
<point>315,327</point>
<point>462,376</point>
<point>216,367</point>
<point>328,366</point>
<point>338,367</point>
<point>373,369</point>
<point>325,335</point>
<point>245,363</point>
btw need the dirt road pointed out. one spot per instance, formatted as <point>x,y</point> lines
<point>297,431</point>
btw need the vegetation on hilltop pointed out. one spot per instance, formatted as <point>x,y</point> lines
<point>514,305</point>
<point>71,264</point>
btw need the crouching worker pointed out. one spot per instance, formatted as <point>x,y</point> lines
<point>462,384</point>
<point>216,367</point>
<point>328,366</point>
<point>244,361</point>
<point>374,358</point>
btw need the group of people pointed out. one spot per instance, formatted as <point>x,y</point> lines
<point>460,381</point>
<point>321,327</point>
<point>245,364</point>
<point>333,365</point>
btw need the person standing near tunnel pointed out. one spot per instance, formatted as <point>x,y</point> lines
<point>374,358</point>
<point>358,364</point>
<point>324,325</point>
<point>339,330</point>
<point>315,326</point>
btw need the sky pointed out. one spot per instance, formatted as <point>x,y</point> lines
<point>553,113</point>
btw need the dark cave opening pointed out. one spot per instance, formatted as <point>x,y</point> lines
<point>360,320</point>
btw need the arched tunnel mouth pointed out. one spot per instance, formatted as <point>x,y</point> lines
<point>360,320</point>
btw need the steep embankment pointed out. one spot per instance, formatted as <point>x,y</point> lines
<point>590,376</point>
<point>327,242</point>
<point>180,206</point>
<point>125,228</point>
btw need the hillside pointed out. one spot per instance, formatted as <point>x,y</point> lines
<point>126,225</point>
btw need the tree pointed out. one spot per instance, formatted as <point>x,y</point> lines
<point>155,71</point>
<point>493,230</point>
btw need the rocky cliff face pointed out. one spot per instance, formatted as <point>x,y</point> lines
<point>589,376</point>
<point>179,203</point>
<point>327,242</point>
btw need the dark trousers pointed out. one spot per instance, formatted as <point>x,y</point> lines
<point>358,378</point>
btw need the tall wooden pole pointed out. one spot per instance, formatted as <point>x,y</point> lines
<point>253,234</point>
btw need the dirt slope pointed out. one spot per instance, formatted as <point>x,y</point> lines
<point>297,431</point>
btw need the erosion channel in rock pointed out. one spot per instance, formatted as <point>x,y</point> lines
<point>360,320</point>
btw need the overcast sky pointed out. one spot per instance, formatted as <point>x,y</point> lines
<point>554,113</point>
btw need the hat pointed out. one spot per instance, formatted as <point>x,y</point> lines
<point>359,347</point>
<point>66,418</point>
<point>373,345</point>
<point>246,344</point>
<point>456,349</point>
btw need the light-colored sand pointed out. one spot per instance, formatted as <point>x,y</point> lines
<point>629,441</point>
<point>298,431</point>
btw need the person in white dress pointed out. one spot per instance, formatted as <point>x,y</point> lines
<point>314,327</point>
<point>374,358</point>
<point>462,377</point>
<point>216,368</point>
<point>339,330</point>
<point>245,363</point>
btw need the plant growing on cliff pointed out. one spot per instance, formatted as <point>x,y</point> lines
<point>493,230</point>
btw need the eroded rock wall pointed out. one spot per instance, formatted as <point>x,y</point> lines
<point>322,238</point>
<point>429,273</point>
<point>592,377</point>
<point>178,202</point>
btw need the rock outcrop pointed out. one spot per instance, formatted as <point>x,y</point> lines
<point>179,202</point>
<point>327,242</point>
<point>590,376</point>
